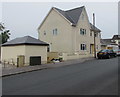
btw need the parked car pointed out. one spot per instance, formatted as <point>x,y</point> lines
<point>117,51</point>
<point>106,53</point>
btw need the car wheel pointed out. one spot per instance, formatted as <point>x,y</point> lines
<point>108,56</point>
<point>99,58</point>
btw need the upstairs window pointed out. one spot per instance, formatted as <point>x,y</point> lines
<point>55,32</point>
<point>96,35</point>
<point>83,31</point>
<point>44,33</point>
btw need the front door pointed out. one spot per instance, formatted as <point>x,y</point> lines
<point>91,48</point>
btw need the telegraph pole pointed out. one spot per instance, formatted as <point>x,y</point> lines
<point>94,35</point>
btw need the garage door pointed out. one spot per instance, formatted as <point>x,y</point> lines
<point>35,60</point>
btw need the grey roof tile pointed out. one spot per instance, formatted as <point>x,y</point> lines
<point>26,40</point>
<point>107,42</point>
<point>94,27</point>
<point>72,15</point>
<point>75,13</point>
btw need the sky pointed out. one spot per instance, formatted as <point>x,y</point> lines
<point>23,18</point>
<point>0,11</point>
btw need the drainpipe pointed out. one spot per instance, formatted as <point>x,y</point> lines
<point>94,35</point>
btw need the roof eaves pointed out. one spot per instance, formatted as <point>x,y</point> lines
<point>24,44</point>
<point>92,28</point>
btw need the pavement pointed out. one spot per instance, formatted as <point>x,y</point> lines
<point>11,70</point>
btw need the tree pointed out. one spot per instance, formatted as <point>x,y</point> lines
<point>1,27</point>
<point>4,35</point>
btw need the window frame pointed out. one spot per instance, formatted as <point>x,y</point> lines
<point>55,31</point>
<point>83,47</point>
<point>48,48</point>
<point>82,31</point>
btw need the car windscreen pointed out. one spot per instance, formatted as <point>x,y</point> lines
<point>104,51</point>
<point>117,50</point>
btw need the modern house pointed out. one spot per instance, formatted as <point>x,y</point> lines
<point>69,33</point>
<point>116,39</point>
<point>112,43</point>
<point>21,51</point>
<point>108,44</point>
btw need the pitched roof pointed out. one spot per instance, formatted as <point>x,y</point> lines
<point>72,15</point>
<point>94,28</point>
<point>107,42</point>
<point>26,40</point>
<point>116,37</point>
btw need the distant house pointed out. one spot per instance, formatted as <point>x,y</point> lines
<point>107,44</point>
<point>19,51</point>
<point>116,39</point>
<point>112,43</point>
<point>69,32</point>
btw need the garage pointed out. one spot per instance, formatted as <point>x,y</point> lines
<point>24,51</point>
<point>35,60</point>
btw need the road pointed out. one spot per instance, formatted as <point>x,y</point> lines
<point>96,77</point>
